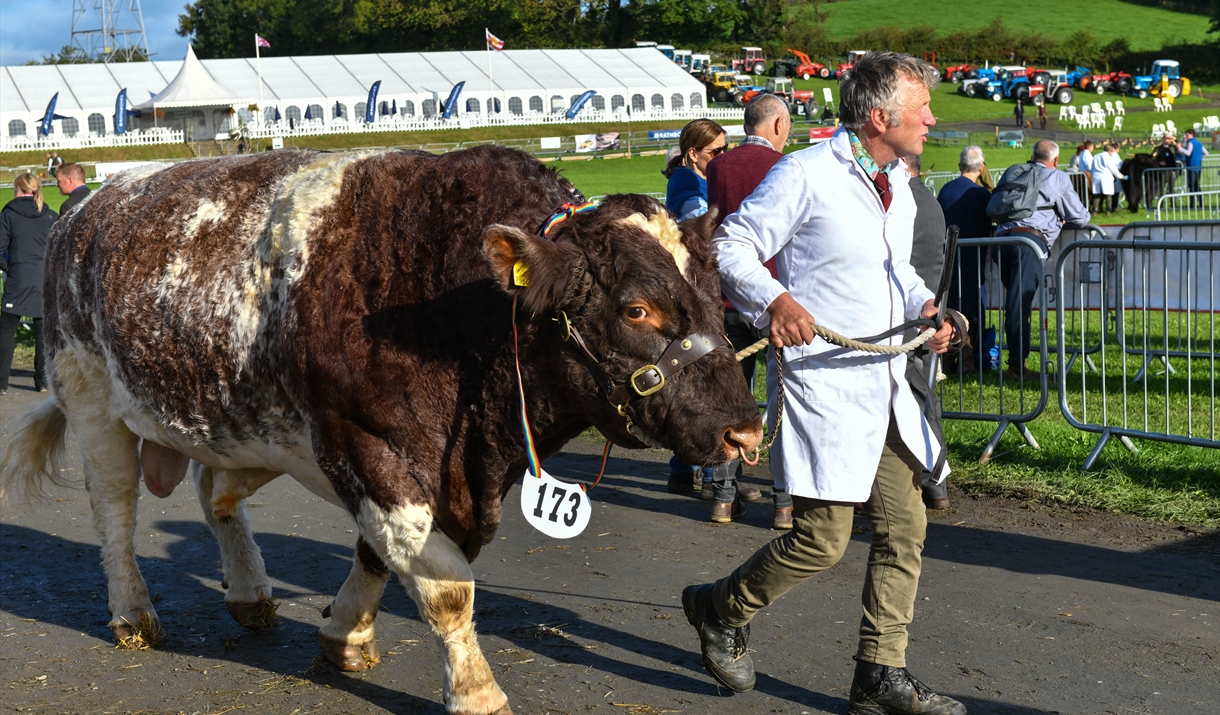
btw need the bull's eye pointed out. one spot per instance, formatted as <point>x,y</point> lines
<point>635,312</point>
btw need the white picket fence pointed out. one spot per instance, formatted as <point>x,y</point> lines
<point>54,142</point>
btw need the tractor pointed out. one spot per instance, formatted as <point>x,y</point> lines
<point>682,59</point>
<point>744,84</point>
<point>1080,78</point>
<point>802,67</point>
<point>699,63</point>
<point>721,86</point>
<point>781,87</point>
<point>752,60</point>
<point>667,50</point>
<point>956,73</point>
<point>1014,83</point>
<point>1164,80</point>
<point>1119,82</point>
<point>852,58</point>
<point>1058,89</point>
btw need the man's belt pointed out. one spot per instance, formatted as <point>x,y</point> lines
<point>1028,230</point>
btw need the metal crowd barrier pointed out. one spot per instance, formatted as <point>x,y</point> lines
<point>985,393</point>
<point>1160,181</point>
<point>1194,206</point>
<point>1159,284</point>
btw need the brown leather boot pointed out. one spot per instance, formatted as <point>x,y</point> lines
<point>783,518</point>
<point>724,512</point>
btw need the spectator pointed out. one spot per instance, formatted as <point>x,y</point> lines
<point>59,161</point>
<point>1074,165</point>
<point>1106,168</point>
<point>731,177</point>
<point>841,230</point>
<point>50,165</point>
<point>686,194</point>
<point>25,224</point>
<point>1058,206</point>
<point>1042,115</point>
<point>1191,152</point>
<point>1019,113</point>
<point>71,180</point>
<point>965,205</point>
<point>1084,162</point>
<point>928,260</point>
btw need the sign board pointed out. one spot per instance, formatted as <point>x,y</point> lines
<point>827,96</point>
<point>551,142</point>
<point>587,143</point>
<point>661,134</point>
<point>820,134</point>
<point>277,142</point>
<point>738,130</point>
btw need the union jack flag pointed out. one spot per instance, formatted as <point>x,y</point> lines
<point>261,42</point>
<point>493,42</point>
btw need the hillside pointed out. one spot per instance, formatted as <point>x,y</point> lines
<point>1105,19</point>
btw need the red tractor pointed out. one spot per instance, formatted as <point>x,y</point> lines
<point>805,67</point>
<point>1120,82</point>
<point>752,60</point>
<point>956,73</point>
<point>852,58</point>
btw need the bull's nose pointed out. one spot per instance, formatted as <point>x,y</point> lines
<point>742,440</point>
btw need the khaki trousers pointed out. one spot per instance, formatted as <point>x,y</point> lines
<point>820,533</point>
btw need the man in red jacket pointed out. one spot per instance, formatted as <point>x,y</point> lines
<point>731,177</point>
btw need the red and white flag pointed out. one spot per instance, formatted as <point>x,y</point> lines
<point>493,42</point>
<point>261,42</point>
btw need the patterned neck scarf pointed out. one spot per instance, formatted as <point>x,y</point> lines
<point>863,159</point>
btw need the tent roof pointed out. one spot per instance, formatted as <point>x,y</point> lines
<point>193,87</point>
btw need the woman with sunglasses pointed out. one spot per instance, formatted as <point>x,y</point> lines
<point>686,195</point>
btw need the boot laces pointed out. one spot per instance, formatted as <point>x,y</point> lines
<point>737,642</point>
<point>922,692</point>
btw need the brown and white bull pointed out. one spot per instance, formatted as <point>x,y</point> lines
<point>346,319</point>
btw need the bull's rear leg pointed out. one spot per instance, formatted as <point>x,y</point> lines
<point>347,638</point>
<point>248,593</point>
<point>439,580</point>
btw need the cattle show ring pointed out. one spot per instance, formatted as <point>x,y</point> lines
<point>482,359</point>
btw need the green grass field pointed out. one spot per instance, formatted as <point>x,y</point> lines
<point>1146,28</point>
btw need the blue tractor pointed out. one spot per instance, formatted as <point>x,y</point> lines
<point>1165,79</point>
<point>1009,82</point>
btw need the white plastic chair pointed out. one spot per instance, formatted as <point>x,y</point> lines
<point>1118,123</point>
<point>1118,107</point>
<point>1156,103</point>
<point>1062,111</point>
<point>1110,108</point>
<point>1097,108</point>
<point>1171,127</point>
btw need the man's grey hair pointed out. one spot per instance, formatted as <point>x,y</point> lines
<point>972,159</point>
<point>874,84</point>
<point>762,110</point>
<point>1046,150</point>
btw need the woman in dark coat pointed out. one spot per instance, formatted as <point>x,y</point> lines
<point>25,225</point>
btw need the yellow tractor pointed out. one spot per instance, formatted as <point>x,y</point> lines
<point>721,86</point>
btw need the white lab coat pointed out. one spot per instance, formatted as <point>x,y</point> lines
<point>848,262</point>
<point>1105,170</point>
<point>1085,162</point>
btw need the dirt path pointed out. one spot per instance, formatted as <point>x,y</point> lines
<point>1023,609</point>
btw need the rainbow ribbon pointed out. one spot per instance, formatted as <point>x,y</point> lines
<point>564,213</point>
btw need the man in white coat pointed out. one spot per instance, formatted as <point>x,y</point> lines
<point>838,218</point>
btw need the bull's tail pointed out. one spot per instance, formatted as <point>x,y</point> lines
<point>34,454</point>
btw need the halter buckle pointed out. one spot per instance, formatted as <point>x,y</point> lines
<point>565,326</point>
<point>647,390</point>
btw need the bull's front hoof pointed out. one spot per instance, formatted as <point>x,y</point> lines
<point>137,632</point>
<point>255,616</point>
<point>349,657</point>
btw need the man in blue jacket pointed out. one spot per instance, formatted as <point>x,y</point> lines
<point>964,202</point>
<point>1190,153</point>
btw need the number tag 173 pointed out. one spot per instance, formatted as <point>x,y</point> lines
<point>557,509</point>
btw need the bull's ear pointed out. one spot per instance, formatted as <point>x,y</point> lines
<point>529,267</point>
<point>704,225</point>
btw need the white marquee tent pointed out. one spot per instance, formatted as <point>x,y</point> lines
<point>206,98</point>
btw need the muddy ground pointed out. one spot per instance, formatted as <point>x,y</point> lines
<point>1023,609</point>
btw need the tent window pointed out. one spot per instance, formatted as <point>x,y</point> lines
<point>675,102</point>
<point>472,105</point>
<point>429,107</point>
<point>16,128</point>
<point>70,126</point>
<point>97,123</point>
<point>535,104</point>
<point>293,114</point>
<point>637,102</point>
<point>361,108</point>
<point>220,120</point>
<point>574,98</point>
<point>408,108</point>
<point>658,101</point>
<point>493,106</point>
<point>616,102</point>
<point>557,104</point>
<point>314,111</point>
<point>696,100</point>
<point>340,110</point>
<point>245,116</point>
<point>599,102</point>
<point>514,106</point>
<point>269,114</point>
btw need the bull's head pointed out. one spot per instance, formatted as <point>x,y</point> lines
<point>638,291</point>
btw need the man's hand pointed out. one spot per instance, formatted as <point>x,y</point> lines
<point>790,322</point>
<point>938,343</point>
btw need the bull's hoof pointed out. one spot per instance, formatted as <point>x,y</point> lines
<point>352,658</point>
<point>142,633</point>
<point>255,616</point>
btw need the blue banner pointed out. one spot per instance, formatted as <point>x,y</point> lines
<point>665,134</point>
<point>579,103</point>
<point>451,103</point>
<point>370,109</point>
<point>45,128</point>
<point>120,112</point>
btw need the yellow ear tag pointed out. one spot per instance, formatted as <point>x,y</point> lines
<point>521,274</point>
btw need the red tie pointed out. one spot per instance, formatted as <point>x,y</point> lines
<point>883,188</point>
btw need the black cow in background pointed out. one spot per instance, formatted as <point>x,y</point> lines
<point>1159,185</point>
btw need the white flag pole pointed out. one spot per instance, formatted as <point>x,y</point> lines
<point>258,60</point>
<point>491,85</point>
